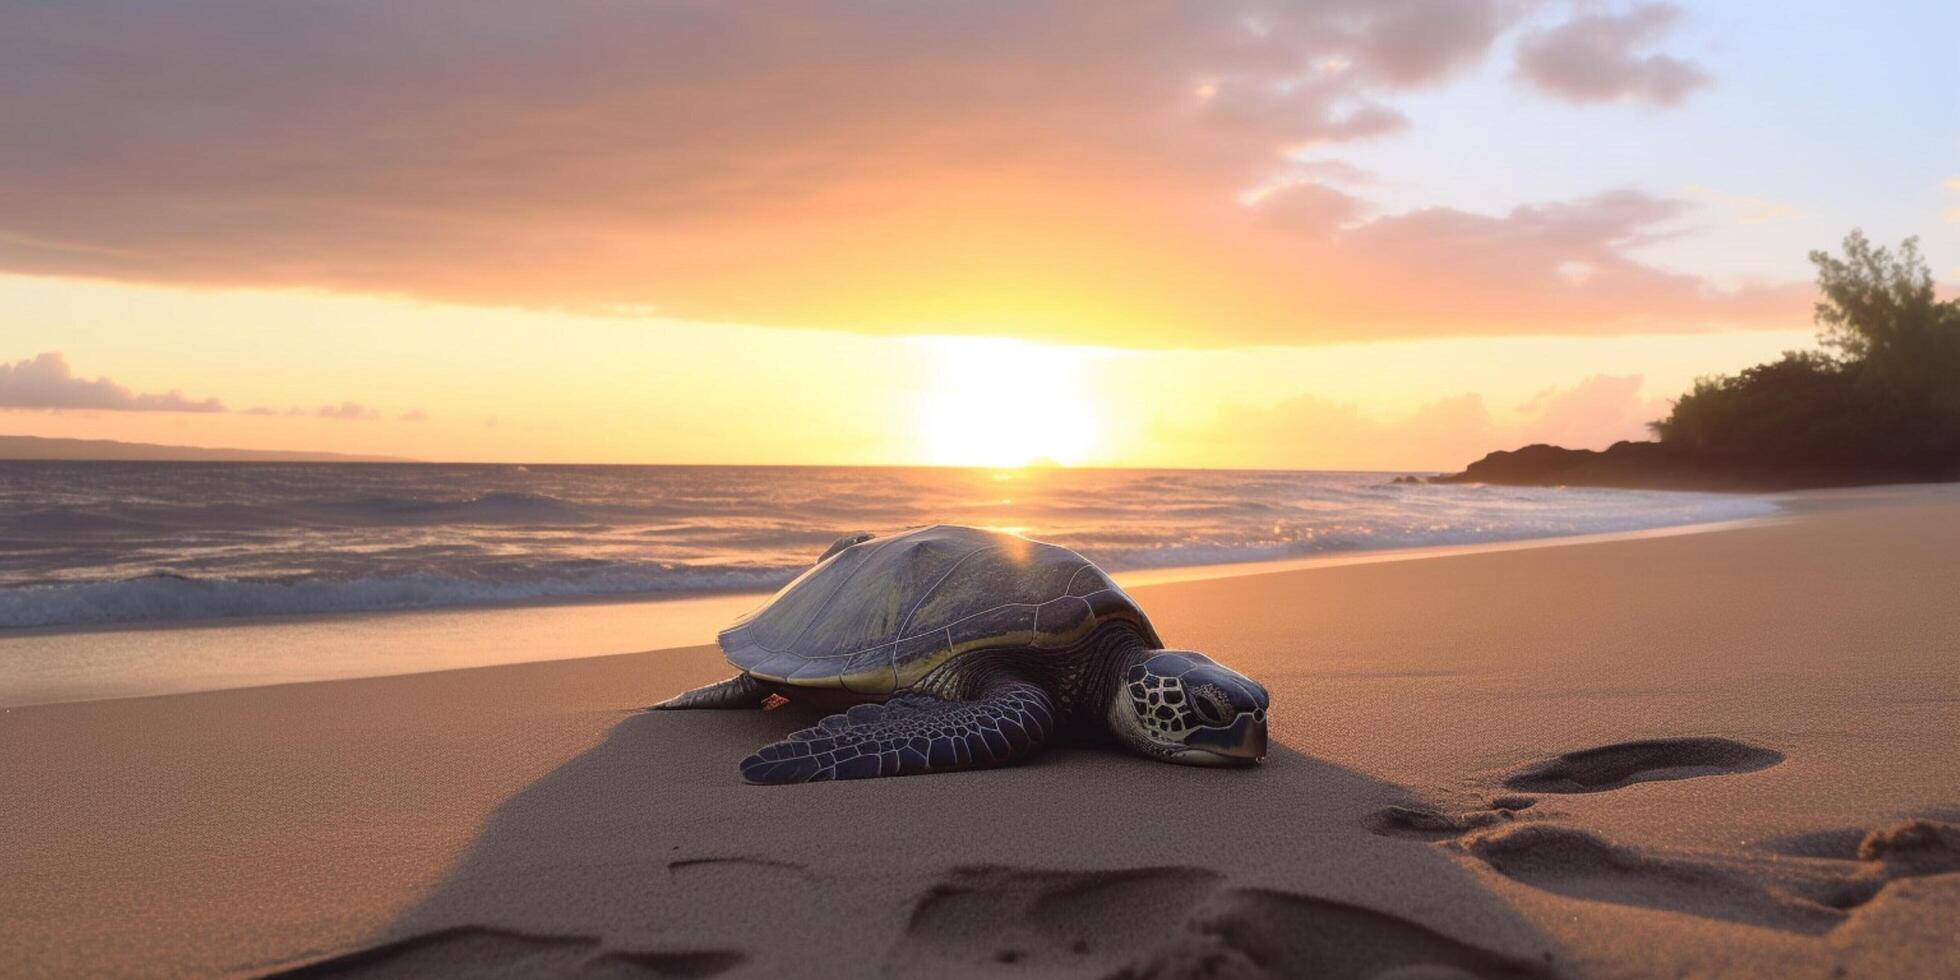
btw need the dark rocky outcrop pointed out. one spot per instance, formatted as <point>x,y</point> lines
<point>1659,466</point>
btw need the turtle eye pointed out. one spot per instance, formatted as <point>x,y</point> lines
<point>1213,706</point>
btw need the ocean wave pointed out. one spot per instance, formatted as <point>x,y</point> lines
<point>82,547</point>
<point>70,520</point>
<point>172,597</point>
<point>504,507</point>
<point>490,508</point>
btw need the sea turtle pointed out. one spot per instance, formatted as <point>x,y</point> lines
<point>966,648</point>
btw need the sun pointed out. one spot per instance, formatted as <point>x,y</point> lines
<point>1007,403</point>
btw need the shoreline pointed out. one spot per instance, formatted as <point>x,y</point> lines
<point>1701,754</point>
<point>30,658</point>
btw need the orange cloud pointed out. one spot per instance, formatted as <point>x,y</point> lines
<point>1071,173</point>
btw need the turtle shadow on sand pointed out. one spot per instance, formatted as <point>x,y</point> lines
<point>646,855</point>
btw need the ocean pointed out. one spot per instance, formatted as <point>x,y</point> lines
<point>122,543</point>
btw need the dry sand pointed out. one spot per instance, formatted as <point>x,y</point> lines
<point>1450,793</point>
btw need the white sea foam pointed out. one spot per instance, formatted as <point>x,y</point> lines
<point>171,597</point>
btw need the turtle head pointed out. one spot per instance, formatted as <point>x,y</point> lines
<point>1182,706</point>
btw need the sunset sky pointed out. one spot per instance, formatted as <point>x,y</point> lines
<point>1349,234</point>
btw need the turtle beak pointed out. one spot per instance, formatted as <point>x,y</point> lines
<point>1240,744</point>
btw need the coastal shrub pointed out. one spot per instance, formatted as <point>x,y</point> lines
<point>1883,395</point>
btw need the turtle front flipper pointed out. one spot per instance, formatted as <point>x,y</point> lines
<point>909,735</point>
<point>739,691</point>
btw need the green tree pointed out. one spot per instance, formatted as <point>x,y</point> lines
<point>1875,304</point>
<point>1881,399</point>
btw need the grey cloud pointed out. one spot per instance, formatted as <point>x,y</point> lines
<point>1423,41</point>
<point>1594,57</point>
<point>46,381</point>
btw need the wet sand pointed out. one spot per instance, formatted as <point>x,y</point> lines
<point>1726,753</point>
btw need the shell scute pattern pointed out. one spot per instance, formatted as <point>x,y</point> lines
<point>1014,624</point>
<point>875,617</point>
<point>1063,621</point>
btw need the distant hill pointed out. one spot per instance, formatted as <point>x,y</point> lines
<point>36,447</point>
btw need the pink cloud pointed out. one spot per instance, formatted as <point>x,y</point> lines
<point>1072,172</point>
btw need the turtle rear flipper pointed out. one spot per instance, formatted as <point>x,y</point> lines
<point>910,735</point>
<point>739,691</point>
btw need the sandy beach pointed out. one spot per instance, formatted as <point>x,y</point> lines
<point>1698,755</point>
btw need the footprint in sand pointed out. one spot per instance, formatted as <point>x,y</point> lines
<point>1607,767</point>
<point>1910,849</point>
<point>1580,864</point>
<point>1255,932</point>
<point>1833,874</point>
<point>484,951</point>
<point>1813,894</point>
<point>1432,823</point>
<point>1168,922</point>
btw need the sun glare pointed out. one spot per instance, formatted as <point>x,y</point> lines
<point>1008,403</point>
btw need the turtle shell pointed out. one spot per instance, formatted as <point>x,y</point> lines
<point>877,615</point>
